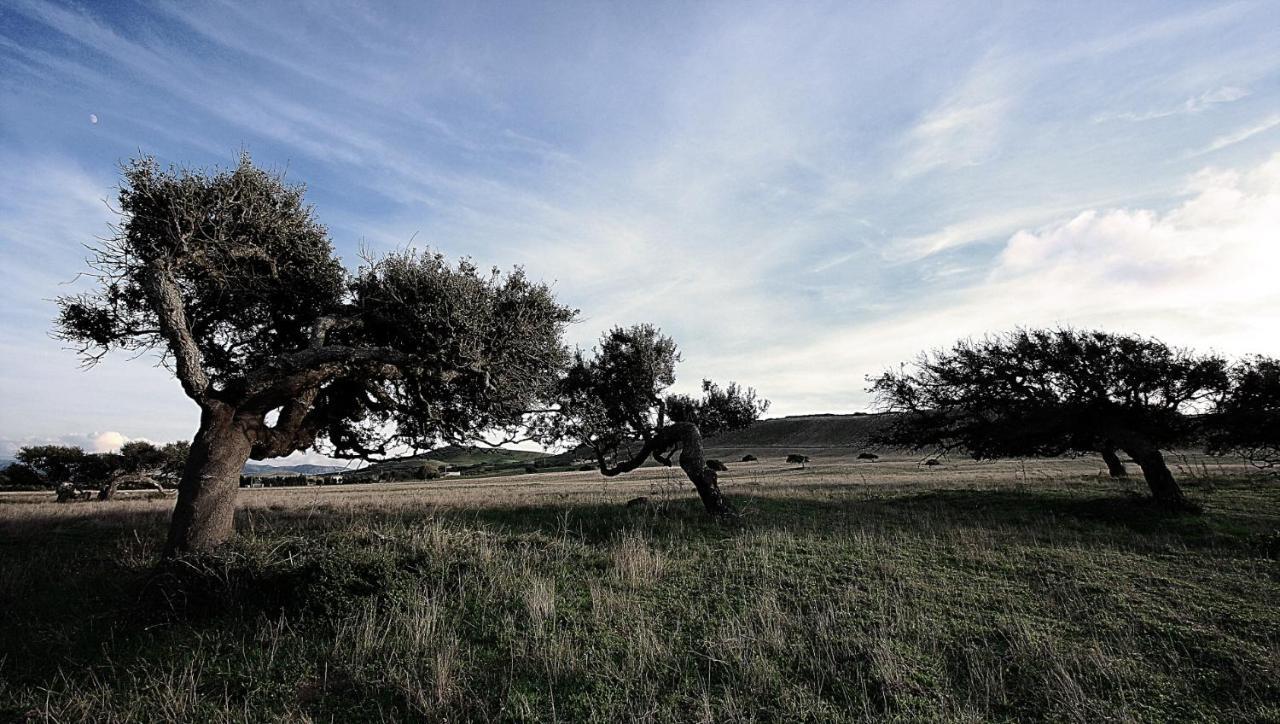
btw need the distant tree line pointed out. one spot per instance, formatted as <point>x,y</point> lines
<point>137,464</point>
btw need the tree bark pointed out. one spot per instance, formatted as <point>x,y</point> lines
<point>1164,489</point>
<point>204,516</point>
<point>693,461</point>
<point>1114,466</point>
<point>109,488</point>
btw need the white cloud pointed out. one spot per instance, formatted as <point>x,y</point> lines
<point>1211,258</point>
<point>1202,274</point>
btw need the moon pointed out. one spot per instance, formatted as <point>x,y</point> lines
<point>93,118</point>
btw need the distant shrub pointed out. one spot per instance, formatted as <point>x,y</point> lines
<point>868,456</point>
<point>797,459</point>
<point>530,469</point>
<point>717,466</point>
<point>748,458</point>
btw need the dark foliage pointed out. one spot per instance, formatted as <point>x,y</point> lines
<point>719,409</point>
<point>54,464</point>
<point>1052,392</point>
<point>1247,420</point>
<point>231,279</point>
<point>1046,393</point>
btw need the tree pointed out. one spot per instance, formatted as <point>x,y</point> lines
<point>140,456</point>
<point>230,278</point>
<point>137,462</point>
<point>1246,421</point>
<point>175,460</point>
<point>55,464</point>
<point>22,475</point>
<point>613,402</point>
<point>1054,392</point>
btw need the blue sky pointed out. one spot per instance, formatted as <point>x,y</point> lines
<point>802,194</point>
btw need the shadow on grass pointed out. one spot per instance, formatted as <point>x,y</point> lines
<point>1247,509</point>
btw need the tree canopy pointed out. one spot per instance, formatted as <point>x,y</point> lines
<point>1247,420</point>
<point>229,277</point>
<point>1052,392</point>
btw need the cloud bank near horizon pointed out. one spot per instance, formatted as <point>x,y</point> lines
<point>802,196</point>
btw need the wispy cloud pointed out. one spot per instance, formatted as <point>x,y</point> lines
<point>1238,136</point>
<point>1194,104</point>
<point>800,194</point>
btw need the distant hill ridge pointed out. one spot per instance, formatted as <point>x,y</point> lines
<point>255,469</point>
<point>804,431</point>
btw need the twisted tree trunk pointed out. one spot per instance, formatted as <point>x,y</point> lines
<point>204,516</point>
<point>1164,489</point>
<point>1114,466</point>
<point>693,461</point>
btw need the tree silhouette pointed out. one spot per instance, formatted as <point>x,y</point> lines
<point>1052,392</point>
<point>1247,420</point>
<point>613,402</point>
<point>55,464</point>
<point>228,276</point>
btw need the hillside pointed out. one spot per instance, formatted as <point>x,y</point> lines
<point>802,432</point>
<point>469,460</point>
<point>257,469</point>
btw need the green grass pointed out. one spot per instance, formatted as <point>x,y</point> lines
<point>1061,601</point>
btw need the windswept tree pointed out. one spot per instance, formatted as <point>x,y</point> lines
<point>1054,392</point>
<point>1246,422</point>
<point>55,464</point>
<point>614,402</point>
<point>138,462</point>
<point>228,276</point>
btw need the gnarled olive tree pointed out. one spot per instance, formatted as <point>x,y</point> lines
<point>613,403</point>
<point>1051,392</point>
<point>230,278</point>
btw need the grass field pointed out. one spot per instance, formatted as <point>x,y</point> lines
<point>849,591</point>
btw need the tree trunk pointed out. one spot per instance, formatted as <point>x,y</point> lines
<point>693,461</point>
<point>204,516</point>
<point>1114,466</point>
<point>1164,489</point>
<point>109,488</point>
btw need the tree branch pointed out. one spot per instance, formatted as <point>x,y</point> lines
<point>167,299</point>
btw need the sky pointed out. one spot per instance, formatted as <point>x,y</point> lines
<point>801,194</point>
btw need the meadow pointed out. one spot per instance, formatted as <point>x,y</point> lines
<point>849,591</point>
